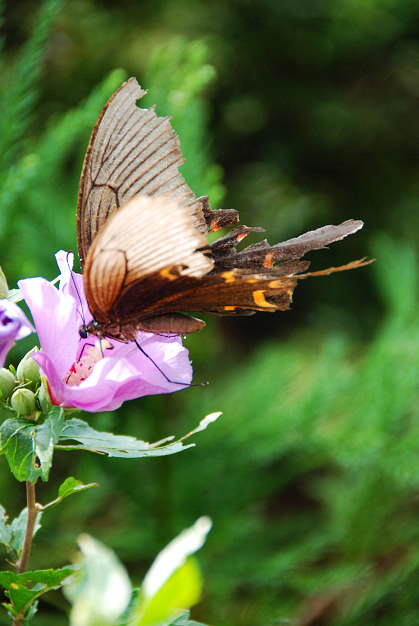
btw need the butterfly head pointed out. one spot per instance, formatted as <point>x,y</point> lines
<point>83,332</point>
<point>93,328</point>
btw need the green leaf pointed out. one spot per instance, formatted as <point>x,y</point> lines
<point>15,295</point>
<point>24,589</point>
<point>51,578</point>
<point>123,445</point>
<point>182,619</point>
<point>174,580</point>
<point>18,527</point>
<point>68,488</point>
<point>12,535</point>
<point>29,446</point>
<point>10,611</point>
<point>6,532</point>
<point>183,589</point>
<point>5,411</point>
<point>20,596</point>
<point>72,485</point>
<point>102,590</point>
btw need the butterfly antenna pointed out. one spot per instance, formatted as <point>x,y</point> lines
<point>174,382</point>
<point>77,291</point>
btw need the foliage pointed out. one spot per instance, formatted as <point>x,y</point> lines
<point>322,501</point>
<point>23,590</point>
<point>311,476</point>
<point>101,590</point>
<point>38,183</point>
<point>175,78</point>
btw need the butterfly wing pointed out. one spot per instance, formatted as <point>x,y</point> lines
<point>148,261</point>
<point>148,237</point>
<point>133,151</point>
<point>160,264</point>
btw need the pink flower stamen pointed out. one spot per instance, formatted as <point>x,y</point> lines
<point>89,356</point>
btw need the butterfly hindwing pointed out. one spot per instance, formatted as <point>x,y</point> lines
<point>233,292</point>
<point>149,260</point>
<point>225,293</point>
<point>142,240</point>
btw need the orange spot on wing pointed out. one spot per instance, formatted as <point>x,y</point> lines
<point>275,284</point>
<point>229,277</point>
<point>214,225</point>
<point>166,273</point>
<point>230,308</point>
<point>259,298</point>
<point>268,261</point>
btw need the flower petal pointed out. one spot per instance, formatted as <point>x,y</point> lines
<point>13,325</point>
<point>119,378</point>
<point>56,319</point>
<point>109,377</point>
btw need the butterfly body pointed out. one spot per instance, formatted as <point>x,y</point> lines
<point>142,236</point>
<point>176,324</point>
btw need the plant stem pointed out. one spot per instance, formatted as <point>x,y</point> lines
<point>22,564</point>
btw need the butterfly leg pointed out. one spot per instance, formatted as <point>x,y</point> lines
<point>99,336</point>
<point>174,382</point>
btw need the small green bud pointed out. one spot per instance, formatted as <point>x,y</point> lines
<point>23,401</point>
<point>7,383</point>
<point>44,397</point>
<point>4,289</point>
<point>27,370</point>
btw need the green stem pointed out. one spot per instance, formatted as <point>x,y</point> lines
<point>22,564</point>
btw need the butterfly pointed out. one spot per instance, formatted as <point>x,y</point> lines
<point>142,236</point>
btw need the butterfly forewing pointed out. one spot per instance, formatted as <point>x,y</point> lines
<point>131,151</point>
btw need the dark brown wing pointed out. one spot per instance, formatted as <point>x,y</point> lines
<point>261,255</point>
<point>149,260</point>
<point>133,151</point>
<point>234,292</point>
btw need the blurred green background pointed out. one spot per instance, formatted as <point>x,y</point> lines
<point>298,114</point>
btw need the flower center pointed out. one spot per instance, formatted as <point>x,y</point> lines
<point>4,318</point>
<point>89,356</point>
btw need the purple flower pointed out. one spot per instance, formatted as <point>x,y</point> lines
<point>13,325</point>
<point>87,373</point>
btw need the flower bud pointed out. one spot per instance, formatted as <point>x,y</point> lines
<point>28,370</point>
<point>23,401</point>
<point>4,289</point>
<point>7,383</point>
<point>44,397</point>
